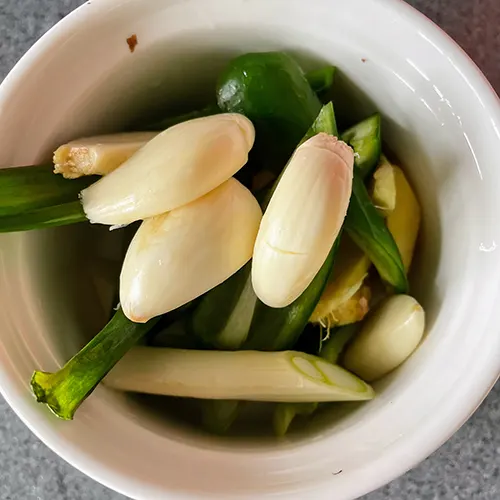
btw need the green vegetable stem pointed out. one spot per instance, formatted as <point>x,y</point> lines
<point>368,230</point>
<point>65,390</point>
<point>330,351</point>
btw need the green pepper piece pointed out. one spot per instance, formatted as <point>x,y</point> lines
<point>366,140</point>
<point>271,90</point>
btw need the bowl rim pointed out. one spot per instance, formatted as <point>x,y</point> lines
<point>395,461</point>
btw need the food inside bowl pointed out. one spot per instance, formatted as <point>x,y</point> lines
<point>272,258</point>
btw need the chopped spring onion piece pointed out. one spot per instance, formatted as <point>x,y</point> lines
<point>387,339</point>
<point>65,390</point>
<point>25,189</point>
<point>223,317</point>
<point>98,155</point>
<point>178,166</point>
<point>219,414</point>
<point>278,329</point>
<point>194,247</point>
<point>302,220</point>
<point>284,414</point>
<point>240,375</point>
<point>334,346</point>
<point>58,215</point>
<point>330,351</point>
<point>367,229</point>
<point>366,139</point>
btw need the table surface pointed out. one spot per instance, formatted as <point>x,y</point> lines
<point>466,468</point>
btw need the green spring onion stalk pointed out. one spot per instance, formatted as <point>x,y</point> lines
<point>25,189</point>
<point>257,326</point>
<point>368,230</point>
<point>231,312</point>
<point>333,347</point>
<point>330,351</point>
<point>52,216</point>
<point>234,300</point>
<point>276,329</point>
<point>236,375</point>
<point>65,390</point>
<point>219,414</point>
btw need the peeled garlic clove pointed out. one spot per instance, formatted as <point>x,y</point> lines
<point>176,167</point>
<point>302,220</point>
<point>178,256</point>
<point>387,339</point>
<point>98,155</point>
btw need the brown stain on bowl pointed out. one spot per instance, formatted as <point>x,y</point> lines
<point>132,42</point>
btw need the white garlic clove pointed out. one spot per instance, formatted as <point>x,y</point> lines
<point>178,256</point>
<point>302,220</point>
<point>387,338</point>
<point>98,155</point>
<point>176,167</point>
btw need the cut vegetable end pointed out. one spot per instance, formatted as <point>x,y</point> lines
<point>98,155</point>
<point>286,376</point>
<point>202,154</point>
<point>45,388</point>
<point>65,390</point>
<point>366,140</point>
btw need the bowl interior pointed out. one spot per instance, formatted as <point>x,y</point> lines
<point>57,285</point>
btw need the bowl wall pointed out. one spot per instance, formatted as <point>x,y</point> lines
<point>440,118</point>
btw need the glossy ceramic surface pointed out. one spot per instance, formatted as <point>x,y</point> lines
<point>440,117</point>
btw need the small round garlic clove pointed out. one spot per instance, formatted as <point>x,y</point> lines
<point>387,339</point>
<point>302,220</point>
<point>176,257</point>
<point>176,167</point>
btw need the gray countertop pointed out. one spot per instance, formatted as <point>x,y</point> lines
<point>466,468</point>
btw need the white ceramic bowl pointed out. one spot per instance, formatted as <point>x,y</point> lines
<point>441,118</point>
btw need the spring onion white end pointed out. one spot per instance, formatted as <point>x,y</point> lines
<point>302,220</point>
<point>98,155</point>
<point>387,339</point>
<point>285,376</point>
<point>176,167</point>
<point>176,257</point>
